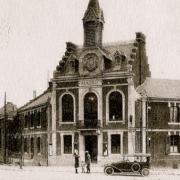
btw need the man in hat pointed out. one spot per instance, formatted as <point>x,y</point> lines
<point>88,161</point>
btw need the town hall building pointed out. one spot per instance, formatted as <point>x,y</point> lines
<point>101,99</point>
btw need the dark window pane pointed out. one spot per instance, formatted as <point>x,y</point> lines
<point>67,144</point>
<point>90,107</point>
<point>67,108</point>
<point>32,145</point>
<point>25,145</point>
<point>174,140</point>
<point>38,145</point>
<point>115,144</point>
<point>115,106</point>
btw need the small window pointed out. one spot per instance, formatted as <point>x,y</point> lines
<point>174,114</point>
<point>26,121</point>
<point>0,137</point>
<point>174,144</point>
<point>25,145</point>
<point>32,146</point>
<point>67,144</point>
<point>118,60</point>
<point>115,144</point>
<point>38,145</point>
<point>32,120</point>
<point>39,119</point>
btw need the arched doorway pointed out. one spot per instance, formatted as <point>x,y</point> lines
<point>90,107</point>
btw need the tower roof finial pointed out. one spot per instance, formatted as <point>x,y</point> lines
<point>95,7</point>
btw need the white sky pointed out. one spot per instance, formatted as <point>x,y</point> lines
<point>33,35</point>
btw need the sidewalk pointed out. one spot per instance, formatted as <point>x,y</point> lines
<point>70,169</point>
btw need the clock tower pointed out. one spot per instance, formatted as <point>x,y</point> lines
<point>93,22</point>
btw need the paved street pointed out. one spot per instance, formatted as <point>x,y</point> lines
<point>67,173</point>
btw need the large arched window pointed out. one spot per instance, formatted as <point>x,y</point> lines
<point>67,108</point>
<point>115,106</point>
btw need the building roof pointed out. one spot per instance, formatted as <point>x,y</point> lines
<point>11,110</point>
<point>38,101</point>
<point>160,88</point>
<point>93,12</point>
<point>122,47</point>
<point>110,48</point>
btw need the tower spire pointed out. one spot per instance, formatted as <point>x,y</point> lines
<point>93,22</point>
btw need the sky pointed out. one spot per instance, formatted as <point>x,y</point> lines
<point>33,36</point>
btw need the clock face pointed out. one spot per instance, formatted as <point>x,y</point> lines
<point>91,62</point>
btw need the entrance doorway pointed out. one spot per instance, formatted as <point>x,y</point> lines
<point>91,145</point>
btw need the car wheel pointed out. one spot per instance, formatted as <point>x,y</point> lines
<point>109,171</point>
<point>135,167</point>
<point>145,172</point>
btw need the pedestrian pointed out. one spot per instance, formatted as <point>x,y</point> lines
<point>76,156</point>
<point>83,165</point>
<point>88,162</point>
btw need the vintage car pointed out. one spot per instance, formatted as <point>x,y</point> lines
<point>130,164</point>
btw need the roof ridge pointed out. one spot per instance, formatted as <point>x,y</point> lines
<point>32,100</point>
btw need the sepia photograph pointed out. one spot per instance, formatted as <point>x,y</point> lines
<point>89,89</point>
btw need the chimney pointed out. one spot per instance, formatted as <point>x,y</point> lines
<point>34,94</point>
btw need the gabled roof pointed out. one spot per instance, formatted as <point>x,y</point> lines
<point>122,47</point>
<point>40,100</point>
<point>160,88</point>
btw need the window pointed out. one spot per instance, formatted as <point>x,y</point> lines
<point>118,60</point>
<point>26,121</point>
<point>174,114</point>
<point>38,145</point>
<point>174,144</point>
<point>67,108</point>
<point>67,144</point>
<point>115,107</point>
<point>25,145</point>
<point>32,145</point>
<point>39,119</point>
<point>0,138</point>
<point>90,107</point>
<point>115,144</point>
<point>32,120</point>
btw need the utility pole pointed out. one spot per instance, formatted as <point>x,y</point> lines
<point>21,141</point>
<point>4,128</point>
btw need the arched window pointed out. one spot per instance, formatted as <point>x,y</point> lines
<point>115,106</point>
<point>67,108</point>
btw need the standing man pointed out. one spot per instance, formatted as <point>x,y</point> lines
<point>76,156</point>
<point>88,161</point>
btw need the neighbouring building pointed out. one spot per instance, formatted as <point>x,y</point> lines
<point>9,131</point>
<point>101,99</point>
<point>35,117</point>
<point>160,100</point>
